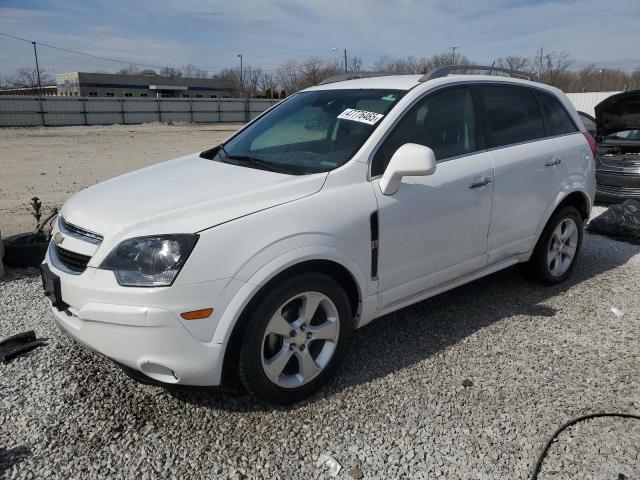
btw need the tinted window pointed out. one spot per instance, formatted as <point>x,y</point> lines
<point>513,115</point>
<point>556,118</point>
<point>442,121</point>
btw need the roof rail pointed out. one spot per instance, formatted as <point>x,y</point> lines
<point>341,77</point>
<point>444,71</point>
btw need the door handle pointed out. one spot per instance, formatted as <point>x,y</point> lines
<point>480,183</point>
<point>553,163</point>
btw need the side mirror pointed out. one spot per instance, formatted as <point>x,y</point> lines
<point>410,159</point>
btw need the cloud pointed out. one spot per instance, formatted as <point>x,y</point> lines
<point>211,33</point>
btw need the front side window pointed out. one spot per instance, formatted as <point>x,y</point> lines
<point>443,121</point>
<point>513,115</point>
<point>311,132</point>
<point>556,118</point>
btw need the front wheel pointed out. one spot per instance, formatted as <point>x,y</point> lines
<point>295,339</point>
<point>557,250</point>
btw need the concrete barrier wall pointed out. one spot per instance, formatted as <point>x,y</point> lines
<point>26,111</point>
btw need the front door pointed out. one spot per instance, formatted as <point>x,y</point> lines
<point>434,228</point>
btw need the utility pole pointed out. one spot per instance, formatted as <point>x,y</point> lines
<point>35,53</point>
<point>241,77</point>
<point>334,49</point>
<point>453,55</point>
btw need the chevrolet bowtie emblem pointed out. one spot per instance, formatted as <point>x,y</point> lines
<point>58,238</point>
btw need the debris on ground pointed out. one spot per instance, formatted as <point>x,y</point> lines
<point>621,222</point>
<point>617,312</point>
<point>327,460</point>
<point>19,344</point>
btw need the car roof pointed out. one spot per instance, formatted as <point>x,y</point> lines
<point>407,82</point>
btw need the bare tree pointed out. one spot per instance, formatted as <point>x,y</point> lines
<point>170,72</point>
<point>268,85</point>
<point>413,65</point>
<point>311,72</point>
<point>251,78</point>
<point>289,77</point>
<point>553,68</point>
<point>515,62</point>
<point>28,77</point>
<point>191,71</point>
<point>634,79</point>
<point>354,64</point>
<point>129,70</point>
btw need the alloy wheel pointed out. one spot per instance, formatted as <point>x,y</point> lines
<point>300,339</point>
<point>562,247</point>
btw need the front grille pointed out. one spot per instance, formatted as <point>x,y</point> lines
<point>72,260</point>
<point>79,232</point>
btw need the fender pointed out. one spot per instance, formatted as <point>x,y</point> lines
<point>274,267</point>
<point>561,195</point>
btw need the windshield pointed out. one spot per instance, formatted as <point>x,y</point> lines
<point>311,132</point>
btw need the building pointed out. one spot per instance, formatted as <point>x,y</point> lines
<point>46,90</point>
<point>587,101</point>
<point>114,85</point>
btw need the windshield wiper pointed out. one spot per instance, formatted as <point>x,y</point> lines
<point>256,162</point>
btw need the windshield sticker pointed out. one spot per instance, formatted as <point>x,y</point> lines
<point>389,98</point>
<point>362,116</point>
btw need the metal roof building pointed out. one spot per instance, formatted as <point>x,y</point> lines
<point>114,85</point>
<point>586,101</point>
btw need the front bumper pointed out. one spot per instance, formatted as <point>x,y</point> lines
<point>141,328</point>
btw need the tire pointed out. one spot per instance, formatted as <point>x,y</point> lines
<point>267,348</point>
<point>542,267</point>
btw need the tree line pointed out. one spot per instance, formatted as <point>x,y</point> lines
<point>551,68</point>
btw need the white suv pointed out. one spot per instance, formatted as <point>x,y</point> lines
<point>344,202</point>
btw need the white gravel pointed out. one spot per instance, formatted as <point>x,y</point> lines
<point>531,359</point>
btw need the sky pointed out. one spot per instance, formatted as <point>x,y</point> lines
<point>210,34</point>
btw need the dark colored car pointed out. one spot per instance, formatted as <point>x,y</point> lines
<point>618,138</point>
<point>589,123</point>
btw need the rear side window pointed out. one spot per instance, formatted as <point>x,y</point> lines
<point>513,115</point>
<point>556,118</point>
<point>443,121</point>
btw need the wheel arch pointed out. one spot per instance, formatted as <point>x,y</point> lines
<point>577,198</point>
<point>345,276</point>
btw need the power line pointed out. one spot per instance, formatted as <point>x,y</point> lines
<point>127,62</point>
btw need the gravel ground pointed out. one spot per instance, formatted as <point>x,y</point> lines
<point>52,163</point>
<point>469,384</point>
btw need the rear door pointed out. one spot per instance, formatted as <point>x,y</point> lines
<point>526,168</point>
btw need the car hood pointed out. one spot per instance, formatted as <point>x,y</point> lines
<point>184,195</point>
<point>618,113</point>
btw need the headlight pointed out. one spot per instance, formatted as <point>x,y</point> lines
<point>149,261</point>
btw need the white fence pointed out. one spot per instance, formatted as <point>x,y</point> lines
<point>24,111</point>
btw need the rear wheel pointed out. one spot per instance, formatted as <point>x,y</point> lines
<point>295,339</point>
<point>555,254</point>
